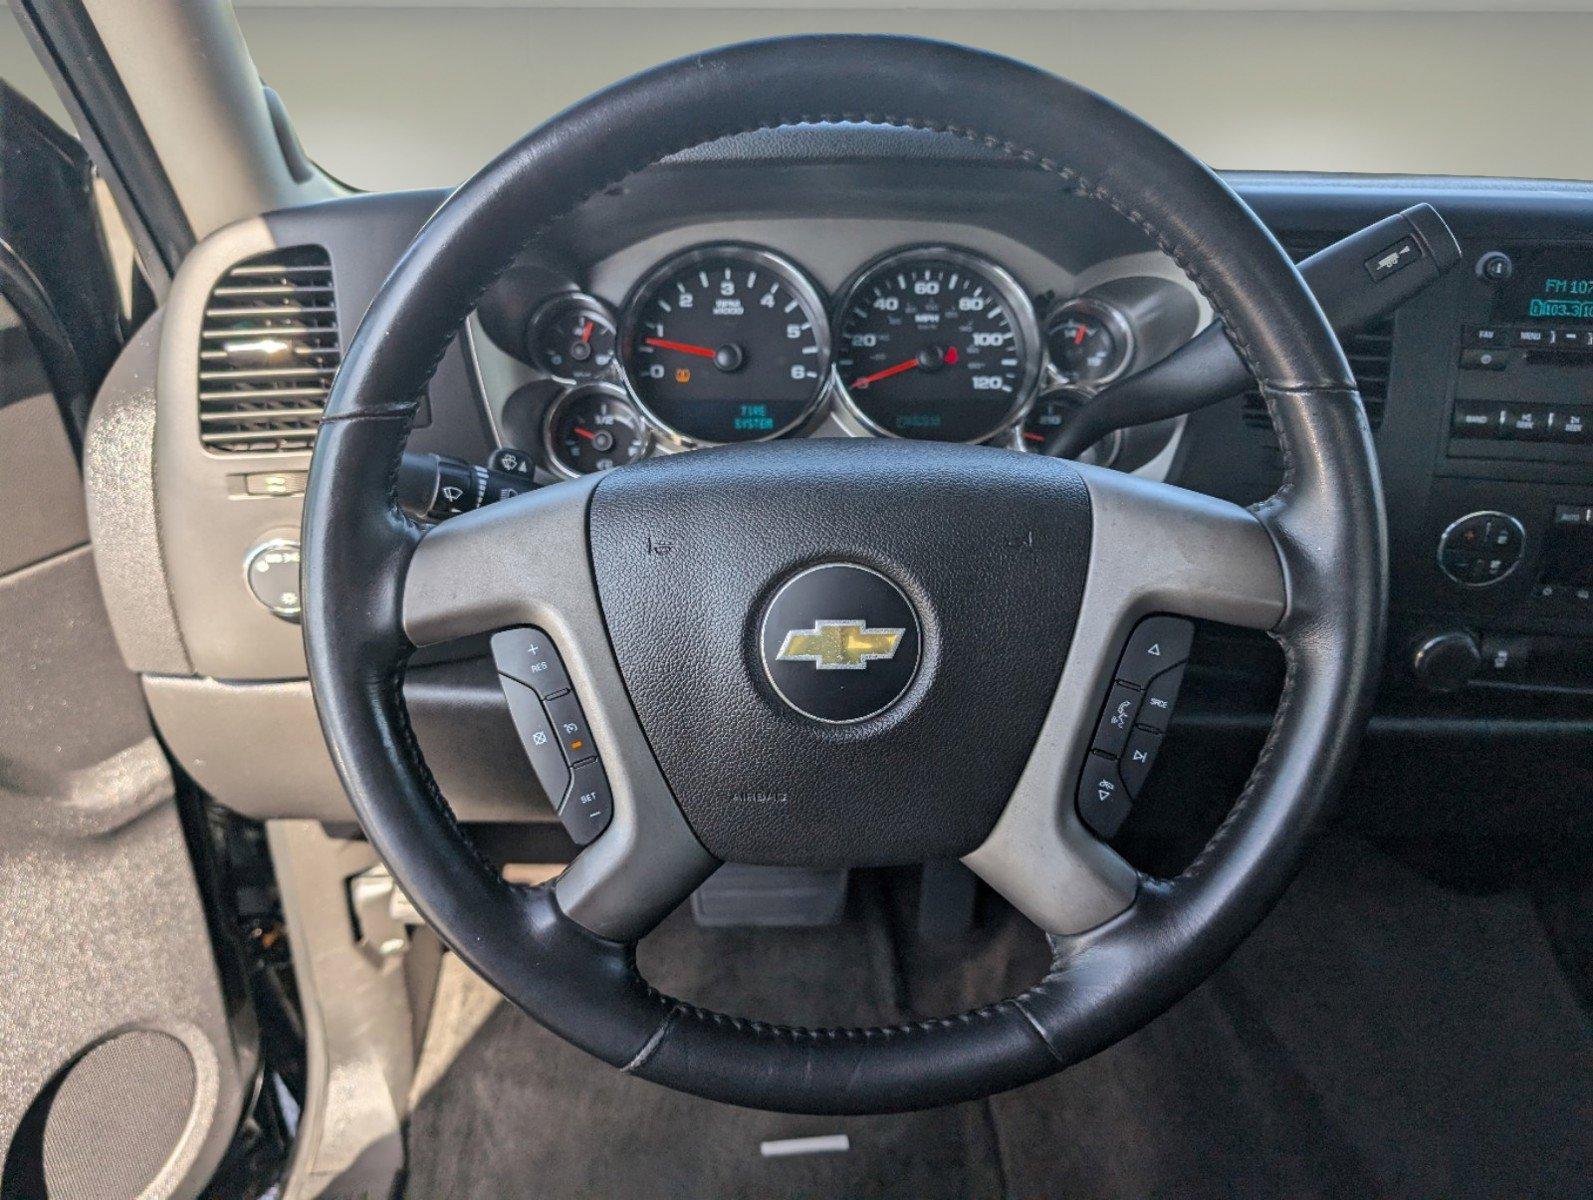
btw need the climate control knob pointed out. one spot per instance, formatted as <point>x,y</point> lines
<point>1445,661</point>
<point>1481,548</point>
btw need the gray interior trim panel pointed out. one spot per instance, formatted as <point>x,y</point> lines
<point>1196,556</point>
<point>119,481</point>
<point>524,562</point>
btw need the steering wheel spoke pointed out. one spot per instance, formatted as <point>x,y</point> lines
<point>524,562</point>
<point>1155,549</point>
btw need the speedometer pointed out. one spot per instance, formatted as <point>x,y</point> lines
<point>726,344</point>
<point>937,344</point>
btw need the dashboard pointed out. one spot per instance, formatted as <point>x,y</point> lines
<point>845,282</point>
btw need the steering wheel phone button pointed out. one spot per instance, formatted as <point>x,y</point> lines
<point>529,656</point>
<point>590,806</point>
<point>1156,711</point>
<point>1156,644</point>
<point>535,729</point>
<point>1103,801</point>
<point>1122,705</point>
<point>1138,757</point>
<point>569,725</point>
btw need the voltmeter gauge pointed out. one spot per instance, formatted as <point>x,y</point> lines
<point>592,428</point>
<point>571,339</point>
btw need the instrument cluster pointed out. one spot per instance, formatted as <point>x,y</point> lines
<point>729,342</point>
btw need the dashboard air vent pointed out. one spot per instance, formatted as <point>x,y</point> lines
<point>1368,351</point>
<point>268,350</point>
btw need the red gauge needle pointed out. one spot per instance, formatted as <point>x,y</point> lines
<point>918,360</point>
<point>1079,335</point>
<point>583,433</point>
<point>886,373</point>
<point>586,331</point>
<point>683,347</point>
<point>1031,436</point>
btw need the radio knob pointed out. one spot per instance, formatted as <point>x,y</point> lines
<point>1445,661</point>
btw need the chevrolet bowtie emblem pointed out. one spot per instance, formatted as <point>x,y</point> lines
<point>840,645</point>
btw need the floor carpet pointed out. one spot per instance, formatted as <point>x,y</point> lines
<point>1378,1036</point>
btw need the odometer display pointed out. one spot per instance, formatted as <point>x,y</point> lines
<point>726,344</point>
<point>936,344</point>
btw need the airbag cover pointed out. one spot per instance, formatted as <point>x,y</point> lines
<point>987,547</point>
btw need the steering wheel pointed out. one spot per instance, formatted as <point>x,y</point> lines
<point>1009,581</point>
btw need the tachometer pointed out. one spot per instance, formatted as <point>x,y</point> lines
<point>937,344</point>
<point>726,344</point>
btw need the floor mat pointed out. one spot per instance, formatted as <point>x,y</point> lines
<point>1377,1036</point>
<point>503,1109</point>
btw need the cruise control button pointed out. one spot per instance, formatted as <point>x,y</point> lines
<point>1157,709</point>
<point>1156,644</point>
<point>536,735</point>
<point>1121,706</point>
<point>569,725</point>
<point>1103,801</point>
<point>590,806</point>
<point>1138,758</point>
<point>530,656</point>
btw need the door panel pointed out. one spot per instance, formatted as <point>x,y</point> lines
<point>121,1071</point>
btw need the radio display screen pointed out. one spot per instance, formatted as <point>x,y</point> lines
<point>1554,283</point>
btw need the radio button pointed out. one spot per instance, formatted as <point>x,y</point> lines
<point>1517,421</point>
<point>1484,360</point>
<point>1103,801</point>
<point>1476,419</point>
<point>1572,428</point>
<point>1122,706</point>
<point>1488,335</point>
<point>1536,338</point>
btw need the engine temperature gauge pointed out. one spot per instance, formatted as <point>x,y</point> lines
<point>592,428</point>
<point>571,338</point>
<point>1090,342</point>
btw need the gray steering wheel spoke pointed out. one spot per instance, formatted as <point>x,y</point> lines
<point>524,562</point>
<point>1155,549</point>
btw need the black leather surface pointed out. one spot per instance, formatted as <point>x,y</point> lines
<point>1328,522</point>
<point>991,548</point>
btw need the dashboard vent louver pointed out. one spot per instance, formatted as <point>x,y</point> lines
<point>268,350</point>
<point>1368,351</point>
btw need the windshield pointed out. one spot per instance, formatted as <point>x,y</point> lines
<point>400,97</point>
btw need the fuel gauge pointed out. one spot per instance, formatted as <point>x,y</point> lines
<point>571,338</point>
<point>592,428</point>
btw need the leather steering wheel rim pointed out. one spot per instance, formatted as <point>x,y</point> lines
<point>1325,525</point>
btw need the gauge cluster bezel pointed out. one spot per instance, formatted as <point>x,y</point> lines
<point>832,407</point>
